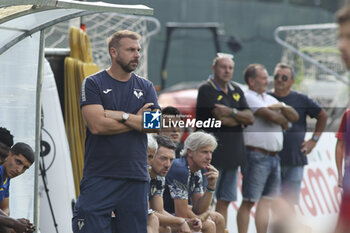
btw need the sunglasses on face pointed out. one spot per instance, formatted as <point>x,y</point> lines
<point>284,77</point>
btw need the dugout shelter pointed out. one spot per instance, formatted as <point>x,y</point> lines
<point>22,29</point>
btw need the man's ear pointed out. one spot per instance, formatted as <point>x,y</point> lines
<point>113,52</point>
<point>189,153</point>
<point>213,68</point>
<point>250,81</point>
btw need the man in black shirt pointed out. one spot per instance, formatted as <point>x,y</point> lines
<point>224,100</point>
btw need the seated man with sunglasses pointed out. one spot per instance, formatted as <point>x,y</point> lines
<point>293,156</point>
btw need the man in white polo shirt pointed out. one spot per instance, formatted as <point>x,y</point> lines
<point>263,141</point>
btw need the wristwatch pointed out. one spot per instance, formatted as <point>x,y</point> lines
<point>234,112</point>
<point>125,116</point>
<point>315,138</point>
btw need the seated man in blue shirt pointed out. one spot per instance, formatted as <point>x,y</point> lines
<point>19,159</point>
<point>184,183</point>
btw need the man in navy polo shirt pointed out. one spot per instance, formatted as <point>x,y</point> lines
<point>115,175</point>
<point>295,149</point>
<point>19,159</point>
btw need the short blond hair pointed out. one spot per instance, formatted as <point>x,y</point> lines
<point>113,41</point>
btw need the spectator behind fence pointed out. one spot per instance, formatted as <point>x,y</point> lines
<point>263,140</point>
<point>115,174</point>
<point>219,97</point>
<point>19,159</point>
<point>295,149</point>
<point>184,193</point>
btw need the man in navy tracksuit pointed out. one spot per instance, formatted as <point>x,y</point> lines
<point>115,175</point>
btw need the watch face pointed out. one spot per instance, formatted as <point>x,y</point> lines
<point>234,112</point>
<point>125,116</point>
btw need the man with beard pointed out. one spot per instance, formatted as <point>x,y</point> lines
<point>115,175</point>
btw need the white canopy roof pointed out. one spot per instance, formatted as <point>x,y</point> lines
<point>22,18</point>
